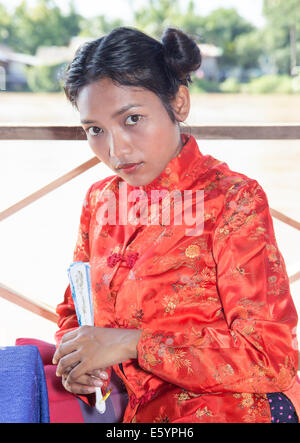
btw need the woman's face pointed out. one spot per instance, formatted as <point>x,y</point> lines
<point>125,124</point>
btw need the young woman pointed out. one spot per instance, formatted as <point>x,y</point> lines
<point>196,321</point>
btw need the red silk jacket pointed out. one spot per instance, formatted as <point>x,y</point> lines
<point>218,320</point>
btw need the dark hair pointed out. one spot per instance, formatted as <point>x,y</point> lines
<point>131,58</point>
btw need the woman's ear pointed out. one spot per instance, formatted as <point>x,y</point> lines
<point>181,104</point>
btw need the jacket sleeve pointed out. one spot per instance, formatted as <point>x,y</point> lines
<point>67,320</point>
<point>253,347</point>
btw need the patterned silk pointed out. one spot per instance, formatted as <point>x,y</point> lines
<point>218,320</point>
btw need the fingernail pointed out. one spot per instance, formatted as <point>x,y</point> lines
<point>104,375</point>
<point>98,383</point>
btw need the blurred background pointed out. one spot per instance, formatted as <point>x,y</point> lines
<point>250,74</point>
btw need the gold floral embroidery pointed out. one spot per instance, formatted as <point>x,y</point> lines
<point>175,356</point>
<point>162,418</point>
<point>192,251</point>
<point>272,252</point>
<point>236,272</point>
<point>185,395</point>
<point>170,303</point>
<point>166,350</point>
<point>256,405</point>
<point>135,317</point>
<point>204,412</point>
<point>287,372</point>
<point>151,359</point>
<point>243,212</point>
<point>223,372</point>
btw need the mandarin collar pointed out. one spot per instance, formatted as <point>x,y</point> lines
<point>181,171</point>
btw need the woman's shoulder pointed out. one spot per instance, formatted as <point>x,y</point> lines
<point>99,186</point>
<point>227,178</point>
<point>96,188</point>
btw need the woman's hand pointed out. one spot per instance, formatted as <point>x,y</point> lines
<point>85,384</point>
<point>89,348</point>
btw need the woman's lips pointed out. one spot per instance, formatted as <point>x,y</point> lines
<point>131,168</point>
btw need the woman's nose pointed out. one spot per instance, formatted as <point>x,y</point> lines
<point>119,147</point>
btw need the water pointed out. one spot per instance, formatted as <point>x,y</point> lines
<point>37,243</point>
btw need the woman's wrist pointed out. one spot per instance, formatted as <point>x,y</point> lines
<point>136,334</point>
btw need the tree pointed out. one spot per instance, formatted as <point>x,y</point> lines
<point>6,29</point>
<point>222,27</point>
<point>248,49</point>
<point>42,25</point>
<point>283,21</point>
<point>97,26</point>
<point>156,16</point>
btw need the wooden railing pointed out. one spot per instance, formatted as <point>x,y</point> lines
<point>208,132</point>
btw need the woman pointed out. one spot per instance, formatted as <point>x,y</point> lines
<point>197,321</point>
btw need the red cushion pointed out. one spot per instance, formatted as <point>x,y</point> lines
<point>63,406</point>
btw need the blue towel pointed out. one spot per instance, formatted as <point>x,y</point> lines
<point>23,389</point>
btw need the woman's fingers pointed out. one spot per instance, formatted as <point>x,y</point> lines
<point>100,373</point>
<point>89,380</point>
<point>68,363</point>
<point>77,388</point>
<point>64,348</point>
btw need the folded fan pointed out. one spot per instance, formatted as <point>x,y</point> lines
<point>80,283</point>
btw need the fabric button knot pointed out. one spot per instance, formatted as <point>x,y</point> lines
<point>129,259</point>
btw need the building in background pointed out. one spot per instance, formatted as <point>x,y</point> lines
<point>13,66</point>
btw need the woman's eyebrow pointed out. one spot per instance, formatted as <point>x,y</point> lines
<point>126,108</point>
<point>115,114</point>
<point>87,122</point>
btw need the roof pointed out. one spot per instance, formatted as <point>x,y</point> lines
<point>8,55</point>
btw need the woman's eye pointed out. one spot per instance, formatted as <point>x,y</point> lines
<point>94,130</point>
<point>133,119</point>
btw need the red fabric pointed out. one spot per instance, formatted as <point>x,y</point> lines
<point>218,320</point>
<point>63,406</point>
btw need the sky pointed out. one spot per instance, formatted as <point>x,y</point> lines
<point>249,9</point>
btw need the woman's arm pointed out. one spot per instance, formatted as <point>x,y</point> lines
<point>255,348</point>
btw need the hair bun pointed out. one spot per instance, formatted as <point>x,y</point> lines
<point>181,53</point>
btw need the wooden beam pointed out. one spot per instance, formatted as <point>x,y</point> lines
<point>34,132</point>
<point>209,132</point>
<point>294,277</point>
<point>49,188</point>
<point>285,219</point>
<point>31,305</point>
<point>244,132</point>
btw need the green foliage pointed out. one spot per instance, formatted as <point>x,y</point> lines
<point>202,85</point>
<point>222,28</point>
<point>42,25</point>
<point>45,78</point>
<point>281,16</point>
<point>156,16</point>
<point>269,84</point>
<point>248,49</point>
<point>282,12</point>
<point>296,84</point>
<point>6,29</point>
<point>97,26</point>
<point>230,85</point>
